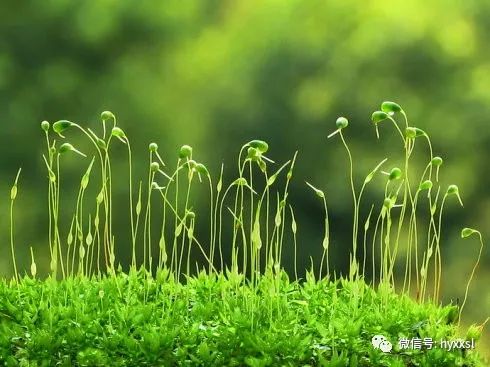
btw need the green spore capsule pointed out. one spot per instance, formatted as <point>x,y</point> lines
<point>107,115</point>
<point>118,133</point>
<point>101,143</point>
<point>436,161</point>
<point>390,107</point>
<point>260,145</point>
<point>378,116</point>
<point>252,153</point>
<point>45,126</point>
<point>414,132</point>
<point>466,232</point>
<point>341,123</point>
<point>61,125</point>
<point>410,133</point>
<point>426,185</point>
<point>262,165</point>
<point>153,147</point>
<point>201,168</point>
<point>453,190</point>
<point>395,174</point>
<point>241,181</point>
<point>154,167</point>
<point>185,151</point>
<point>67,147</point>
<point>387,203</point>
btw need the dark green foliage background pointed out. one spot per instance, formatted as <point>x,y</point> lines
<point>214,74</point>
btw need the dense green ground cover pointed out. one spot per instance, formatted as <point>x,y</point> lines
<point>217,320</point>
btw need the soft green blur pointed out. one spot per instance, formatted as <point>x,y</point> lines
<point>215,74</point>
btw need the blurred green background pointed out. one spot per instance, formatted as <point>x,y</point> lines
<point>215,74</point>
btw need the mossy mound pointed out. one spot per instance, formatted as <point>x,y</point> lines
<point>218,320</point>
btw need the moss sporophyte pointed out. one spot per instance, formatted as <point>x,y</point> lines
<point>235,305</point>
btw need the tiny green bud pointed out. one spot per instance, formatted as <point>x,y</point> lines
<point>185,151</point>
<point>101,143</point>
<point>154,186</point>
<point>395,174</point>
<point>318,192</point>
<point>13,192</point>
<point>45,126</point>
<point>89,239</point>
<point>260,145</point>
<point>378,116</point>
<point>81,251</point>
<point>262,165</point>
<point>436,161</point>
<point>341,123</point>
<point>154,167</point>
<point>100,197</point>
<point>191,214</point>
<point>387,202</point>
<point>62,125</point>
<point>153,147</point>
<point>426,185</point>
<point>107,115</point>
<point>390,107</point>
<point>33,269</point>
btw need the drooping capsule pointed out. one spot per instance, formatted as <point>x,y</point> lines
<point>61,125</point>
<point>260,145</point>
<point>436,161</point>
<point>67,147</point>
<point>201,168</point>
<point>466,232</point>
<point>390,107</point>
<point>452,189</point>
<point>107,115</point>
<point>378,116</point>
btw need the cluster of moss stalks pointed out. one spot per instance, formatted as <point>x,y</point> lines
<point>246,311</point>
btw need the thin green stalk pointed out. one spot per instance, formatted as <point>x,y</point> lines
<point>13,196</point>
<point>354,197</point>
<point>465,233</point>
